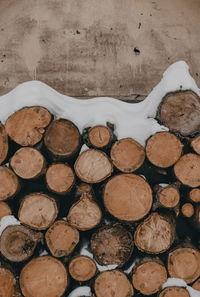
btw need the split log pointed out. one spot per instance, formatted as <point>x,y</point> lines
<point>82,268</point>
<point>28,163</point>
<point>187,210</point>
<point>27,125</point>
<point>196,285</point>
<point>180,112</point>
<point>112,244</point>
<point>93,166</point>
<point>62,139</point>
<point>148,275</point>
<point>127,155</point>
<point>155,234</point>
<point>195,144</point>
<point>60,178</point>
<point>9,183</point>
<point>187,170</point>
<point>99,137</point>
<point>5,210</point>
<point>174,292</point>
<point>163,149</point>
<point>113,283</point>
<point>184,262</point>
<point>194,195</point>
<point>127,197</point>
<point>167,197</point>
<point>3,143</point>
<point>37,211</point>
<point>17,243</point>
<point>7,282</point>
<point>44,277</point>
<point>61,239</point>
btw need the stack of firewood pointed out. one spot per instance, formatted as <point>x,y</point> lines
<point>132,204</point>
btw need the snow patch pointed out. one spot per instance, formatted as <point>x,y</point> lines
<point>8,221</point>
<point>81,291</point>
<point>177,282</point>
<point>84,148</point>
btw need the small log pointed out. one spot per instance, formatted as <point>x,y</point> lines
<point>174,292</point>
<point>3,143</point>
<point>112,244</point>
<point>27,125</point>
<point>180,112</point>
<point>155,234</point>
<point>7,282</point>
<point>148,275</point>
<point>167,197</point>
<point>194,195</point>
<point>127,155</point>
<point>163,149</point>
<point>60,178</point>
<point>93,166</point>
<point>61,239</point>
<point>9,183</point>
<point>62,139</point>
<point>82,268</point>
<point>17,243</point>
<point>5,210</point>
<point>99,137</point>
<point>184,262</point>
<point>196,285</point>
<point>195,144</point>
<point>28,163</point>
<point>44,277</point>
<point>187,210</point>
<point>187,170</point>
<point>113,283</point>
<point>37,211</point>
<point>127,197</point>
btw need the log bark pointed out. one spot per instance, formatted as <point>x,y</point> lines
<point>127,155</point>
<point>196,285</point>
<point>82,268</point>
<point>3,143</point>
<point>187,210</point>
<point>5,210</point>
<point>163,149</point>
<point>17,243</point>
<point>9,183</point>
<point>180,112</point>
<point>148,275</point>
<point>174,292</point>
<point>61,239</point>
<point>112,244</point>
<point>113,283</point>
<point>127,197</point>
<point>99,137</point>
<point>167,197</point>
<point>155,234</point>
<point>28,163</point>
<point>195,144</point>
<point>194,195</point>
<point>44,277</point>
<point>60,178</point>
<point>8,282</point>
<point>93,166</point>
<point>27,125</point>
<point>37,211</point>
<point>62,139</point>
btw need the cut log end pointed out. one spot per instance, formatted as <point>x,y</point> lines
<point>169,196</point>
<point>27,125</point>
<point>99,137</point>
<point>127,155</point>
<point>42,277</point>
<point>7,283</point>
<point>174,292</point>
<point>82,268</point>
<point>194,195</point>
<point>61,239</point>
<point>128,197</point>
<point>9,183</point>
<point>187,210</point>
<point>163,149</point>
<point>3,143</point>
<point>5,210</point>
<point>195,144</point>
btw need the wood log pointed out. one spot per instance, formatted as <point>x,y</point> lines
<point>27,125</point>
<point>195,144</point>
<point>7,282</point>
<point>127,155</point>
<point>167,197</point>
<point>9,183</point>
<point>112,244</point>
<point>174,292</point>
<point>5,210</point>
<point>60,178</point>
<point>93,166</point>
<point>187,170</point>
<point>194,195</point>
<point>196,285</point>
<point>187,210</point>
<point>17,243</point>
<point>180,112</point>
<point>99,137</point>
<point>82,268</point>
<point>195,220</point>
<point>61,239</point>
<point>37,211</point>
<point>148,275</point>
<point>113,283</point>
<point>184,262</point>
<point>3,143</point>
<point>28,163</point>
<point>163,149</point>
<point>155,234</point>
<point>127,197</point>
<point>44,277</point>
<point>62,139</point>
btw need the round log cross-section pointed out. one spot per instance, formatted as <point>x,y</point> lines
<point>82,268</point>
<point>7,283</point>
<point>99,136</point>
<point>5,209</point>
<point>9,183</point>
<point>3,143</point>
<point>174,292</point>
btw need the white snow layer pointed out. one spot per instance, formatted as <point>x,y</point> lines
<point>8,221</point>
<point>81,291</point>
<point>131,120</point>
<point>177,282</point>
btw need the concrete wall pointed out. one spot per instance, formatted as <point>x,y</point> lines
<point>85,48</point>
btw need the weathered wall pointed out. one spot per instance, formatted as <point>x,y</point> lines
<point>85,48</point>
